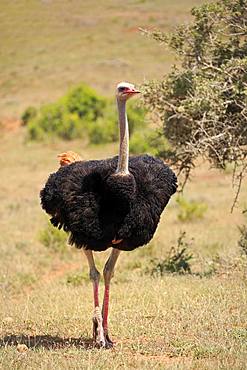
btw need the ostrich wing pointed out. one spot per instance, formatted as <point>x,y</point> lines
<point>72,197</point>
<point>82,201</point>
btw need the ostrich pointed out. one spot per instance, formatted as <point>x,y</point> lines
<point>113,203</point>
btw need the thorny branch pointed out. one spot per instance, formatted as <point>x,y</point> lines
<point>203,104</point>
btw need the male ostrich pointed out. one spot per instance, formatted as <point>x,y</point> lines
<point>113,203</point>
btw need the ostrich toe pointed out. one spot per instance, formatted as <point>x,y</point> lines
<point>101,339</point>
<point>98,332</point>
<point>109,342</point>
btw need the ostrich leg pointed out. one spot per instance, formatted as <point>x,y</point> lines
<point>108,274</point>
<point>98,332</point>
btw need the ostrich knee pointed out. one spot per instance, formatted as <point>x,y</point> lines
<point>108,273</point>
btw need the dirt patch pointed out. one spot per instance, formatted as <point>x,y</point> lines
<point>10,124</point>
<point>59,271</point>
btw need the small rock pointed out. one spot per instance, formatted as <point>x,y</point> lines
<point>22,348</point>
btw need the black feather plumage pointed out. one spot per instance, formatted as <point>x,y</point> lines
<point>96,205</point>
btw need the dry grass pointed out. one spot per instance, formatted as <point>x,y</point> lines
<point>172,322</point>
<point>47,46</point>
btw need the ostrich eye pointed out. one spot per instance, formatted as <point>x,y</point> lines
<point>121,89</point>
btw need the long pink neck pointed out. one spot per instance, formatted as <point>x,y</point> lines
<point>123,158</point>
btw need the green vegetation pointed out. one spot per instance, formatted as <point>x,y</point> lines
<point>53,239</point>
<point>174,321</point>
<point>70,117</point>
<point>202,103</point>
<point>49,46</point>
<point>177,261</point>
<point>76,279</point>
<point>84,113</point>
<point>29,114</point>
<point>190,210</point>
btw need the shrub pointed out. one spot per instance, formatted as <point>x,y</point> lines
<point>136,117</point>
<point>105,129</point>
<point>177,261</point>
<point>139,143</point>
<point>81,112</point>
<point>69,117</point>
<point>85,102</point>
<point>189,211</point>
<point>47,122</point>
<point>28,115</point>
<point>54,239</point>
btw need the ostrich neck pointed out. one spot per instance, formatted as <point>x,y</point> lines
<point>123,158</point>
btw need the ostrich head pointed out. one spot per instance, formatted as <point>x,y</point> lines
<point>125,90</point>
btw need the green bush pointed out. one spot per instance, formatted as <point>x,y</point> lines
<point>139,143</point>
<point>28,115</point>
<point>81,112</point>
<point>190,210</point>
<point>136,117</point>
<point>52,238</point>
<point>105,129</point>
<point>177,261</point>
<point>69,117</point>
<point>85,102</point>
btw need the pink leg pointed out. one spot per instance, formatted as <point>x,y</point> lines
<point>98,332</point>
<point>108,274</point>
<point>105,309</point>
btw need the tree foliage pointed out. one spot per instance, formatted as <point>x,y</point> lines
<point>202,103</point>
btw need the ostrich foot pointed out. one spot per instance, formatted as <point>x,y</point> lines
<point>99,337</point>
<point>109,342</point>
<point>102,340</point>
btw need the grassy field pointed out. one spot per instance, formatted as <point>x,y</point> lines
<point>47,46</point>
<point>193,321</point>
<point>196,321</point>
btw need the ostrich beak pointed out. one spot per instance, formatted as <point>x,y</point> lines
<point>132,91</point>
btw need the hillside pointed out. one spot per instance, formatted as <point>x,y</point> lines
<point>47,46</point>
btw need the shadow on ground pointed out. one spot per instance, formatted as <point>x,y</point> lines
<point>46,341</point>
